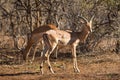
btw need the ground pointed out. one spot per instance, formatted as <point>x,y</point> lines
<point>93,66</point>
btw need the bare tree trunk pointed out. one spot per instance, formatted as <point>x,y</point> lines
<point>29,16</point>
<point>38,12</point>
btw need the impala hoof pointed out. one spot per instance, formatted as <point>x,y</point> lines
<point>77,71</point>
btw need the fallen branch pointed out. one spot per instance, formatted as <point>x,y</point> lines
<point>7,56</point>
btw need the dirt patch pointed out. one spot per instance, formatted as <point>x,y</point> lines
<point>93,67</point>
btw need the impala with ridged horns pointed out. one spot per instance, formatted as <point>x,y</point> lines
<point>53,38</point>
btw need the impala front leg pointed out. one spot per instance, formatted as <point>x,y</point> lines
<point>27,51</point>
<point>34,52</point>
<point>75,66</point>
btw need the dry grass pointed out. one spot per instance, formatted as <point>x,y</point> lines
<point>93,66</point>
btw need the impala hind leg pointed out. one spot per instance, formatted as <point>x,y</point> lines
<point>56,52</point>
<point>46,56</point>
<point>49,65</point>
<point>42,59</point>
<point>51,48</point>
<point>51,45</point>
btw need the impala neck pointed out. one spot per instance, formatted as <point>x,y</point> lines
<point>84,34</point>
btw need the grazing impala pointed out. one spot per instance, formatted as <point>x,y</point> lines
<point>36,36</point>
<point>40,42</point>
<point>53,38</point>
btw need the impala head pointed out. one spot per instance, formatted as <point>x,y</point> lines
<point>87,23</point>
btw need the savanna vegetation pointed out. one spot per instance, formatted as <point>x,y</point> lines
<point>98,57</point>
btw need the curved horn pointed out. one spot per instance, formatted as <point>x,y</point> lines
<point>57,21</point>
<point>92,19</point>
<point>86,21</point>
